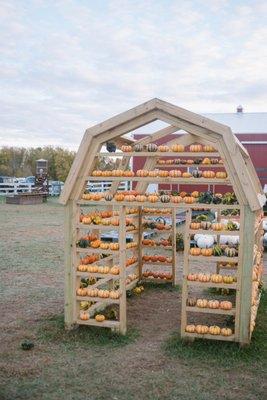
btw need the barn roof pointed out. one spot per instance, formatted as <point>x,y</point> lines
<point>240,168</point>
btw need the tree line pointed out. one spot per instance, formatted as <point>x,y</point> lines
<point>20,162</point>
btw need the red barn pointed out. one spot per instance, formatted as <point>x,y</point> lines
<point>249,128</point>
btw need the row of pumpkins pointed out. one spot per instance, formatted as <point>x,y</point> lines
<point>205,329</point>
<point>212,304</point>
<point>157,173</point>
<point>98,244</point>
<point>214,278</point>
<point>217,250</point>
<point>186,162</point>
<point>176,148</point>
<point>95,292</point>
<point>141,198</point>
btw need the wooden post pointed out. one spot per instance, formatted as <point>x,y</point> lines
<point>247,237</point>
<point>140,237</point>
<point>69,272</point>
<point>174,266</point>
<point>122,262</point>
<point>185,270</point>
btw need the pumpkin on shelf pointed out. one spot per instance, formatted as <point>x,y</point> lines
<point>100,317</point>
<point>128,173</point>
<point>206,252</point>
<point>163,173</point>
<point>217,226</point>
<point>106,173</point>
<point>84,316</point>
<point>195,194</point>
<point>214,330</point>
<point>213,304</point>
<point>226,331</point>
<point>96,196</point>
<point>221,175</point>
<point>177,148</point>
<point>206,161</point>
<point>152,198</point>
<point>195,148</point>
<point>202,329</point>
<point>152,147</point>
<point>175,173</point>
<point>195,251</point>
<point>138,147</point>
<point>189,199</point>
<point>119,197</point>
<point>108,197</point>
<point>153,174</point>
<point>81,292</point>
<point>141,198</point>
<point>96,243</point>
<point>163,148</point>
<point>230,252</point>
<point>142,173</point>
<point>114,246</point>
<point>165,198</point>
<point>176,199</point>
<point>96,172</point>
<point>191,301</point>
<point>208,149</point>
<point>114,294</point>
<point>197,173</point>
<point>195,225</point>
<point>104,294</point>
<point>126,148</point>
<point>104,246</point>
<point>190,328</point>
<point>202,303</point>
<point>186,175</point>
<point>203,277</point>
<point>129,197</point>
<point>226,305</point>
<point>216,278</point>
<point>192,277</point>
<point>115,270</point>
<point>205,225</point>
<point>208,174</point>
<point>228,279</point>
<point>189,162</point>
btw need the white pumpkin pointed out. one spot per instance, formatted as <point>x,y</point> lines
<point>264,224</point>
<point>265,237</point>
<point>233,240</point>
<point>205,241</point>
<point>224,239</point>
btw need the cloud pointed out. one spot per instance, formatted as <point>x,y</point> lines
<point>66,65</point>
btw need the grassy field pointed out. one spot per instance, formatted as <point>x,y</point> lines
<point>151,362</point>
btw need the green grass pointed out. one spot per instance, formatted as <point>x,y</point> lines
<point>227,353</point>
<point>53,330</point>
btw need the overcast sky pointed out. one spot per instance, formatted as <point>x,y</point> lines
<point>68,64</point>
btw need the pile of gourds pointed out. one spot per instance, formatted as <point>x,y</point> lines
<point>157,275</point>
<point>95,292</point>
<point>155,258</point>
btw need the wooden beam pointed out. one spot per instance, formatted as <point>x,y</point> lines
<point>69,272</point>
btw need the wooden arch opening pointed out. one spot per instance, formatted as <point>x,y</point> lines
<point>205,155</point>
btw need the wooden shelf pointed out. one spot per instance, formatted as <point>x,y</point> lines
<point>98,299</point>
<point>156,280</point>
<point>158,248</point>
<point>156,263</point>
<point>163,180</point>
<point>132,284</point>
<point>160,154</point>
<point>208,336</point>
<point>104,228</point>
<point>214,258</point>
<point>211,284</point>
<point>211,310</point>
<point>212,232</point>
<point>96,275</point>
<point>100,251</point>
<point>189,165</point>
<point>105,324</point>
<point>182,206</point>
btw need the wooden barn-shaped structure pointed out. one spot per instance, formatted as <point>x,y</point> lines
<point>118,236</point>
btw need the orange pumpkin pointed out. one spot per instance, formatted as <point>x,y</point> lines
<point>163,148</point>
<point>226,332</point>
<point>226,305</point>
<point>190,328</point>
<point>175,173</point>
<point>128,173</point>
<point>206,252</point>
<point>129,197</point>
<point>195,251</point>
<point>206,161</point>
<point>189,199</point>
<point>208,174</point>
<point>176,199</point>
<point>195,194</point>
<point>142,173</point>
<point>152,198</point>
<point>177,148</point>
<point>192,277</point>
<point>153,174</point>
<point>141,197</point>
<point>195,148</point>
<point>195,225</point>
<point>217,226</point>
<point>186,175</point>
<point>126,148</point>
<point>208,149</point>
<point>119,197</point>
<point>97,173</point>
<point>189,162</point>
<point>95,243</point>
<point>221,175</point>
<point>163,173</point>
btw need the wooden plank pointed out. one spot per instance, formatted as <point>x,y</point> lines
<point>211,337</point>
<point>213,232</point>
<point>104,324</point>
<point>188,218</point>
<point>140,237</point>
<point>211,310</point>
<point>246,275</point>
<point>160,154</point>
<point>173,248</point>
<point>212,285</point>
<point>122,277</point>
<point>98,299</point>
<point>214,258</point>
<point>148,179</point>
<point>69,271</point>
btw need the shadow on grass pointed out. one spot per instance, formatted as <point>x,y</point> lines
<point>227,353</point>
<point>53,330</point>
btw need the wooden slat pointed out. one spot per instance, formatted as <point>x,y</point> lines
<point>122,276</point>
<point>159,154</point>
<point>211,310</point>
<point>211,337</point>
<point>148,179</point>
<point>188,218</point>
